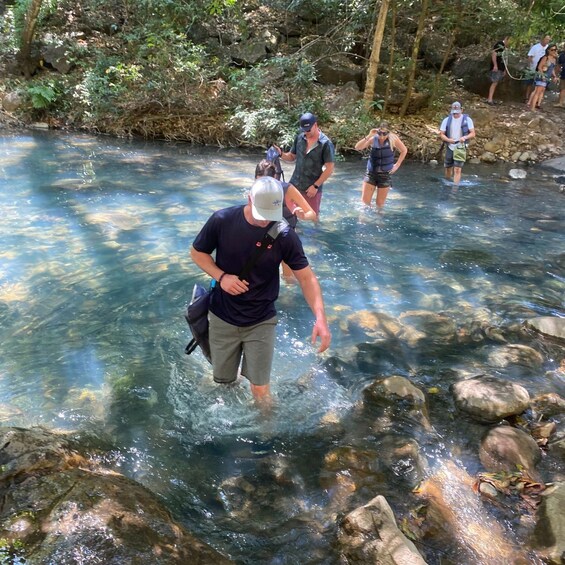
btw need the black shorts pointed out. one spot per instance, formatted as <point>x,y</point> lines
<point>380,179</point>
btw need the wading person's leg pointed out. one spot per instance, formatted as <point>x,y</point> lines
<point>225,348</point>
<point>258,352</point>
<point>367,191</point>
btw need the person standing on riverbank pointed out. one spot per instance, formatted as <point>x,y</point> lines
<point>545,73</point>
<point>242,312</point>
<point>380,165</point>
<point>497,67</point>
<point>535,53</point>
<point>314,155</point>
<point>455,131</point>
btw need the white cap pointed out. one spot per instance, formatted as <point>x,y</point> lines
<point>267,199</point>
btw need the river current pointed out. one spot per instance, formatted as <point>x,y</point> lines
<point>95,275</point>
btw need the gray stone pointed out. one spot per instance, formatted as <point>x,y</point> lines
<point>56,56</point>
<point>505,449</point>
<point>488,157</point>
<point>549,533</point>
<point>369,534</point>
<point>557,164</point>
<point>11,101</point>
<point>548,325</point>
<point>344,96</point>
<point>493,146</point>
<point>489,399</point>
<point>248,52</point>
<point>338,69</point>
<point>515,156</point>
<point>517,173</point>
<point>525,156</point>
<point>515,354</point>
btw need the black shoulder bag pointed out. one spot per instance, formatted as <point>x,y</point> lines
<point>197,311</point>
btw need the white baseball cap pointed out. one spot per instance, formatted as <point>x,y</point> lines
<point>267,199</point>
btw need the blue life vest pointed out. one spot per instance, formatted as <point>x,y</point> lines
<point>464,127</point>
<point>381,157</point>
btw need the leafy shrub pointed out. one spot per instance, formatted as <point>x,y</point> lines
<point>42,96</point>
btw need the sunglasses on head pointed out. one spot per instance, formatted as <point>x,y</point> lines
<point>382,132</point>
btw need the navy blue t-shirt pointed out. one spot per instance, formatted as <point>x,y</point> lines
<point>233,238</point>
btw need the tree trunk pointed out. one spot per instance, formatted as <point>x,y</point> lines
<point>369,94</point>
<point>454,34</point>
<point>414,60</point>
<point>28,32</point>
<point>391,57</point>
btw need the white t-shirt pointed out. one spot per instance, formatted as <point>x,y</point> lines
<point>455,128</point>
<point>537,51</point>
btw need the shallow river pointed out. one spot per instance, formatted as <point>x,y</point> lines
<point>95,274</point>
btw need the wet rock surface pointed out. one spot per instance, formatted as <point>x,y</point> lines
<point>505,448</point>
<point>490,399</point>
<point>549,534</point>
<point>61,507</point>
<point>369,534</point>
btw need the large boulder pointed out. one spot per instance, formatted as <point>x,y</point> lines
<point>369,534</point>
<point>489,399</point>
<point>557,164</point>
<point>338,70</point>
<point>58,504</point>
<point>505,448</point>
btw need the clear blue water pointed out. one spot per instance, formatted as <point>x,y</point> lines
<point>95,275</point>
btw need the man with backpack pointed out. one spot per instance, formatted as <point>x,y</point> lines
<point>455,131</point>
<point>242,312</point>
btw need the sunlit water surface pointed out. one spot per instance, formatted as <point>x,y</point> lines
<point>95,274</point>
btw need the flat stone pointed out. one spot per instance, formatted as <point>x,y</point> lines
<point>548,325</point>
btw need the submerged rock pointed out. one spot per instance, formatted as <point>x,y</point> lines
<point>57,504</point>
<point>505,448</point>
<point>547,405</point>
<point>489,399</point>
<point>468,259</point>
<point>548,325</point>
<point>515,354</point>
<point>369,534</point>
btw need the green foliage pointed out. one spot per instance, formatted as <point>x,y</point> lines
<point>42,95</point>
<point>353,124</point>
<point>545,18</point>
<point>264,125</point>
<point>218,7</point>
<point>271,96</point>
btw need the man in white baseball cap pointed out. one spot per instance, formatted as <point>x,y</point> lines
<point>242,310</point>
<point>455,131</point>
